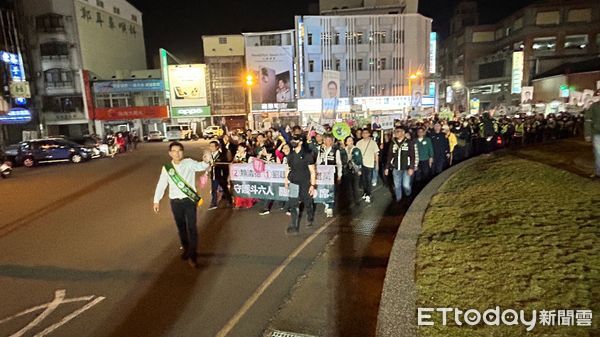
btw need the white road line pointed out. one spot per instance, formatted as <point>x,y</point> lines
<point>256,295</point>
<point>43,306</point>
<point>59,295</point>
<point>69,317</point>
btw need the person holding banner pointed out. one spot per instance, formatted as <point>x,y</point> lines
<point>179,176</point>
<point>330,155</point>
<point>301,183</point>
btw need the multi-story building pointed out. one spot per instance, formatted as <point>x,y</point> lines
<point>374,54</point>
<point>72,42</point>
<point>270,61</point>
<point>129,101</point>
<point>224,58</point>
<point>355,7</point>
<point>15,112</point>
<point>494,61</point>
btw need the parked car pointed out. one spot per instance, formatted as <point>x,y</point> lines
<point>91,142</point>
<point>212,131</point>
<point>155,136</point>
<point>179,132</point>
<point>32,152</point>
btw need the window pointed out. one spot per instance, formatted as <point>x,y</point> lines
<point>337,65</point>
<point>309,39</point>
<point>501,32</point>
<point>518,24</point>
<point>312,91</point>
<point>359,64</point>
<point>58,78</point>
<point>579,15</point>
<point>100,3</point>
<point>381,65</point>
<point>153,101</point>
<point>397,36</point>
<point>99,18</point>
<point>116,10</point>
<point>50,23</point>
<point>377,37</point>
<point>270,40</point>
<point>576,41</point>
<point>355,38</point>
<point>62,104</point>
<point>222,40</point>
<point>371,64</point>
<point>133,17</point>
<point>544,44</point>
<point>491,70</point>
<point>54,49</point>
<point>336,38</point>
<point>547,18</point>
<point>483,37</point>
<point>311,66</point>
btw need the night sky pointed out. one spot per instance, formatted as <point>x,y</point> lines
<point>179,25</point>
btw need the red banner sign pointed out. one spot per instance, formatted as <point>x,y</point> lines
<point>132,112</point>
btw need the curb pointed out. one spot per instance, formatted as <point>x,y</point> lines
<point>397,309</point>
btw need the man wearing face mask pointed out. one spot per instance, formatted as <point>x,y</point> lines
<point>301,183</point>
<point>441,149</point>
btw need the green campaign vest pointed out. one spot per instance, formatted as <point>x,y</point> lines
<point>182,184</point>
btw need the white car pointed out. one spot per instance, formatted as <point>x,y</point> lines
<point>155,136</point>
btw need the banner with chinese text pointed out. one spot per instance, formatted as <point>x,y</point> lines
<point>269,184</point>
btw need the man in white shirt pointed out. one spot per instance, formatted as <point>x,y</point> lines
<point>182,206</point>
<point>370,154</point>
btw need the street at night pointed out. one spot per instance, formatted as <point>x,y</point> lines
<point>306,168</point>
<point>99,237</point>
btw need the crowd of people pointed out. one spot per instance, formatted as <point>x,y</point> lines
<point>411,153</point>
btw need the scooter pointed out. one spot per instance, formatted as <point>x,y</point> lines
<point>5,169</point>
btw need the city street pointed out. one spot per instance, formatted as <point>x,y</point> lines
<point>82,242</point>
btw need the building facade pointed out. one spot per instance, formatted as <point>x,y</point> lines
<point>72,42</point>
<point>494,61</point>
<point>356,7</point>
<point>374,54</point>
<point>224,58</point>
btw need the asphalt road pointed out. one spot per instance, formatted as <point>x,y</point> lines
<point>82,254</point>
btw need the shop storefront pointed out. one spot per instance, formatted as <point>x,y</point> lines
<point>140,119</point>
<point>197,117</point>
<point>70,124</point>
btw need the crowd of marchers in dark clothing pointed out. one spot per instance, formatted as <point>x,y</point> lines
<point>411,153</point>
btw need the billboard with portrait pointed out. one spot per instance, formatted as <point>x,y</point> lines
<point>188,85</point>
<point>527,95</point>
<point>330,94</point>
<point>273,69</point>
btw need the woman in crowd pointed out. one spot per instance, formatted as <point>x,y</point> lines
<point>241,156</point>
<point>352,161</point>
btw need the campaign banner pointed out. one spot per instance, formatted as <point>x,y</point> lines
<point>330,94</point>
<point>269,183</point>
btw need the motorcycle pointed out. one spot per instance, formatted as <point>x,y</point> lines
<point>5,169</point>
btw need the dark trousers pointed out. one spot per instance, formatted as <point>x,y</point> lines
<point>439,164</point>
<point>365,179</point>
<point>351,183</point>
<point>184,212</point>
<point>309,206</point>
<point>423,173</point>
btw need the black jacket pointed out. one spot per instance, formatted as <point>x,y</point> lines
<point>441,146</point>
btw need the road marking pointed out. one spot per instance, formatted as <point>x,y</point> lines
<point>49,308</point>
<point>263,287</point>
<point>69,317</point>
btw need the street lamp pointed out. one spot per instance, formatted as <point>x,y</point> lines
<point>249,84</point>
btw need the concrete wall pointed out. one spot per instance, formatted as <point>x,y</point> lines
<point>233,46</point>
<point>105,49</point>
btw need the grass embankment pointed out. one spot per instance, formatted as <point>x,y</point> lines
<point>516,234</point>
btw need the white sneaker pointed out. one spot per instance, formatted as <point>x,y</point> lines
<point>368,199</point>
<point>329,212</point>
